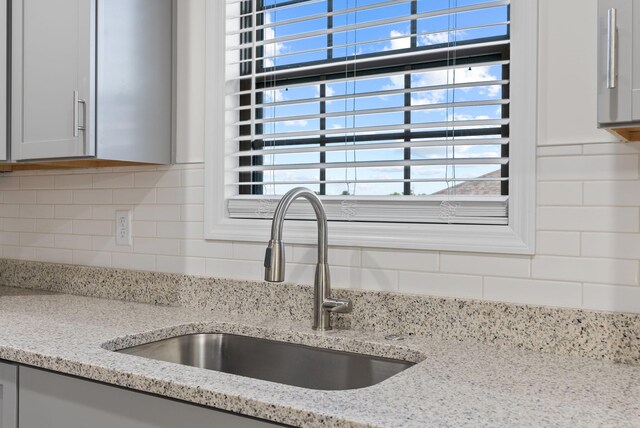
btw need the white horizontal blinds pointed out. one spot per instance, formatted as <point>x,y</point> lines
<point>372,99</point>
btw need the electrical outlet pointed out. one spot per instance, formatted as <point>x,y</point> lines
<point>123,228</point>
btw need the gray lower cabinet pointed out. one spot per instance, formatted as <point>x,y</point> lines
<point>8,395</point>
<point>51,400</point>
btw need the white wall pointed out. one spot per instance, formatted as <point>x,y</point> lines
<point>588,206</point>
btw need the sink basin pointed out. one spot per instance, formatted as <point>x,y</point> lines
<point>286,363</point>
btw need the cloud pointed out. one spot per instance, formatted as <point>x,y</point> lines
<point>433,39</point>
<point>296,123</point>
<point>271,49</point>
<point>398,42</point>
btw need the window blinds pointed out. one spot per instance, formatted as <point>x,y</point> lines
<point>392,111</point>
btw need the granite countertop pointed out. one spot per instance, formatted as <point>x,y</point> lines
<point>453,384</point>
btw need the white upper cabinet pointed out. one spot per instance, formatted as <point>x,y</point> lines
<point>619,66</point>
<point>92,79</point>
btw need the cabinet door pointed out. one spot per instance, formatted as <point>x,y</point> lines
<point>615,61</point>
<point>56,401</point>
<point>52,78</point>
<point>8,396</point>
<point>636,61</point>
<point>3,79</point>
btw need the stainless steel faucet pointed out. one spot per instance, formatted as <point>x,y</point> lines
<point>274,261</point>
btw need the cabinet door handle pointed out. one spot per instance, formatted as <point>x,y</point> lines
<point>612,48</point>
<point>76,120</point>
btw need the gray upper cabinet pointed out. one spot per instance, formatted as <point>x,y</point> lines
<point>92,79</point>
<point>619,63</point>
<point>4,46</point>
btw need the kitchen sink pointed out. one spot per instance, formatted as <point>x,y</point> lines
<point>286,363</point>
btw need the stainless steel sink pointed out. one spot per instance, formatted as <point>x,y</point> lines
<point>280,362</point>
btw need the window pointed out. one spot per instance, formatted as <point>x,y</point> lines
<point>402,115</point>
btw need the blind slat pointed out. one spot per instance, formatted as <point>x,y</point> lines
<point>377,23</point>
<point>348,146</point>
<point>356,112</point>
<point>373,129</point>
<point>375,164</point>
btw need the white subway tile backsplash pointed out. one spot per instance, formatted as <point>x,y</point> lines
<point>338,256</point>
<point>134,196</point>
<point>144,229</point>
<point>611,298</point>
<point>184,195</point>
<point>54,226</point>
<point>37,240</point>
<point>93,197</point>
<point>54,255</point>
<point>191,212</point>
<point>10,238</point>
<point>9,183</point>
<point>612,193</point>
<point>108,244</point>
<point>400,260</point>
<point>558,243</point>
<point>73,181</point>
<point>379,280</point>
<point>483,264</point>
<point>614,245</point>
<point>19,253</point>
<point>155,179</point>
<point>157,213</point>
<point>548,293</point>
<point>19,197</point>
<point>74,212</point>
<point>94,227</point>
<point>180,230</point>
<point>206,249</point>
<point>443,285</point>
<point>574,150</point>
<point>183,265</point>
<point>588,234</point>
<point>346,277</point>
<point>237,269</point>
<point>559,193</point>
<point>19,225</point>
<point>36,211</point>
<point>582,269</point>
<point>167,247</point>
<point>55,197</point>
<point>112,180</point>
<point>588,168</point>
<point>35,182</point>
<point>91,258</point>
<point>73,242</point>
<point>590,219</point>
<point>133,261</point>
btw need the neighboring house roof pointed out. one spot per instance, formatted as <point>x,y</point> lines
<point>488,187</point>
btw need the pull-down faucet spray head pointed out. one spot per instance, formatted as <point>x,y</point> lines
<point>274,261</point>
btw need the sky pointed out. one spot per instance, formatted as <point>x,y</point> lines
<point>300,118</point>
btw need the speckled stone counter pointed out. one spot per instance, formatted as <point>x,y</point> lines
<point>600,335</point>
<point>453,384</point>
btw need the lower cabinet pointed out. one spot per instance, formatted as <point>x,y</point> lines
<point>8,395</point>
<point>53,400</point>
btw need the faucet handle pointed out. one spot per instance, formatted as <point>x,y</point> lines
<point>338,306</point>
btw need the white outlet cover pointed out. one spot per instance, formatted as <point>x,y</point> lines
<point>123,228</point>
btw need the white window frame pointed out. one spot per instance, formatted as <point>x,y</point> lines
<point>518,237</point>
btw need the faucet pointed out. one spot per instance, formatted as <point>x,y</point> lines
<point>274,261</point>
